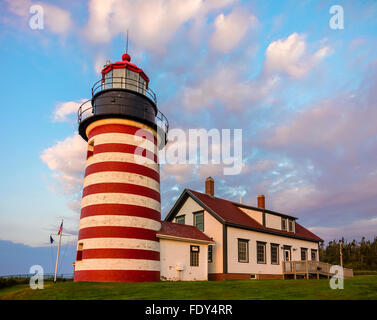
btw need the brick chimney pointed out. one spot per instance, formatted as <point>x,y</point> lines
<point>210,186</point>
<point>261,202</point>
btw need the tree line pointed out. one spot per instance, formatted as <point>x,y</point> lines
<point>356,255</point>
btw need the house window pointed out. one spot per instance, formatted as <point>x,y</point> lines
<point>261,252</point>
<point>264,219</point>
<point>243,250</point>
<point>180,219</point>
<point>199,220</point>
<point>210,253</point>
<point>194,256</point>
<point>284,224</point>
<point>274,253</point>
<point>314,254</point>
<point>290,225</point>
<point>304,254</point>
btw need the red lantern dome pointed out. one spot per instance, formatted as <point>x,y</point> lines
<point>124,70</point>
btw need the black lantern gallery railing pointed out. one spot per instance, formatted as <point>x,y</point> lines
<point>88,108</point>
<point>136,85</point>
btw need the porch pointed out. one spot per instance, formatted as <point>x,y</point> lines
<point>309,269</point>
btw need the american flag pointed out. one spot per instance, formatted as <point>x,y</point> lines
<point>60,229</point>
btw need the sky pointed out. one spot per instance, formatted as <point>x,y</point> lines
<point>303,93</point>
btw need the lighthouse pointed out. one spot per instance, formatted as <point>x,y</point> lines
<point>120,208</point>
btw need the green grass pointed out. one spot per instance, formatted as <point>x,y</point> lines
<point>365,272</point>
<point>359,287</point>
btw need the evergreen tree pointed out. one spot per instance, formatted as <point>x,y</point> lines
<point>356,255</point>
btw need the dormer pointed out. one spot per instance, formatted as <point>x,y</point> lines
<point>268,218</point>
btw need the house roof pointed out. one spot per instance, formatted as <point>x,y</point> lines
<point>182,231</point>
<point>229,213</point>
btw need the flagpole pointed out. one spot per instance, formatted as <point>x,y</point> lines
<point>57,256</point>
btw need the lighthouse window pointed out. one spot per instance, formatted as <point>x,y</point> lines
<point>109,80</point>
<point>132,80</point>
<point>119,78</point>
<point>79,252</point>
<point>90,149</point>
<point>141,85</point>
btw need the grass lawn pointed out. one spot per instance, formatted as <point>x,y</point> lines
<point>359,287</point>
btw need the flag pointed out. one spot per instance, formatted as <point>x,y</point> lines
<point>60,229</point>
<point>51,240</point>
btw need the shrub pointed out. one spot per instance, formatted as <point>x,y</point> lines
<point>8,282</point>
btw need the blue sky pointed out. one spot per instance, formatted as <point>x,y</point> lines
<point>304,94</point>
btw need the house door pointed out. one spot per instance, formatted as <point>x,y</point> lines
<point>287,255</point>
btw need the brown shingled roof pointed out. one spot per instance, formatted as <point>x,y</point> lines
<point>182,231</point>
<point>228,212</point>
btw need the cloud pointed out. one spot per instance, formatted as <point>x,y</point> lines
<point>152,24</point>
<point>331,147</point>
<point>231,29</point>
<point>318,165</point>
<point>354,230</point>
<point>227,86</point>
<point>99,62</point>
<point>180,173</point>
<point>67,161</point>
<point>262,165</point>
<point>230,85</point>
<point>65,109</point>
<point>57,20</point>
<point>289,56</point>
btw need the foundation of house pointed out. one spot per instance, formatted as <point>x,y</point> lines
<point>242,276</point>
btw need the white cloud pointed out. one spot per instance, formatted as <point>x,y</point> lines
<point>99,62</point>
<point>231,29</point>
<point>181,173</point>
<point>293,198</point>
<point>262,165</point>
<point>354,230</point>
<point>19,7</point>
<point>226,85</point>
<point>56,19</point>
<point>151,23</point>
<point>65,109</point>
<point>67,161</point>
<point>289,56</point>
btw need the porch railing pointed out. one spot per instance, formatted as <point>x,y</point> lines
<point>306,268</point>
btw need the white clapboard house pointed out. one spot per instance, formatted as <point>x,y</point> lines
<point>208,238</point>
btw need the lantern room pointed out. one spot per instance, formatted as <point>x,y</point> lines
<point>123,74</point>
<point>123,92</point>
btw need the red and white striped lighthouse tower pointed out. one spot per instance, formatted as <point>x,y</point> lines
<point>120,209</point>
